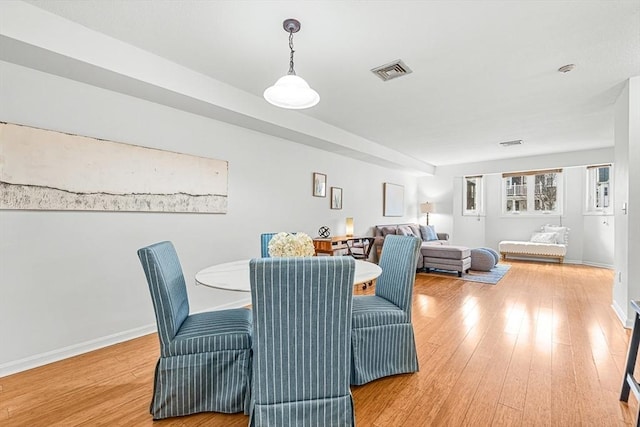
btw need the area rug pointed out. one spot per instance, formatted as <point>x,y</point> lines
<point>490,277</point>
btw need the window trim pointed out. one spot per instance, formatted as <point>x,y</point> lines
<point>590,190</point>
<point>479,210</point>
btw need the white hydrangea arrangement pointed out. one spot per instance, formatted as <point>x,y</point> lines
<point>291,245</point>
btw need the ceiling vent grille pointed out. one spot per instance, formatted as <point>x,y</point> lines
<point>391,70</point>
<point>511,143</point>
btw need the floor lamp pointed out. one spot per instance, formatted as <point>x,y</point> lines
<point>427,208</point>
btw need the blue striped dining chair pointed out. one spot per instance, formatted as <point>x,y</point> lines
<point>205,358</point>
<point>301,339</point>
<point>382,340</point>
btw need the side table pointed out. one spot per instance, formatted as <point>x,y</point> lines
<point>330,245</point>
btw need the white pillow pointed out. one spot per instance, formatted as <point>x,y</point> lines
<point>405,230</point>
<point>563,233</point>
<point>544,238</point>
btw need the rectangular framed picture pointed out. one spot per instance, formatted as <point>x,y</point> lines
<point>393,200</point>
<point>336,198</point>
<point>319,184</point>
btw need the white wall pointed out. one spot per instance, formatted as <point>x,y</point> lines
<point>626,286</point>
<point>598,248</point>
<point>590,241</point>
<point>71,281</point>
<point>633,212</point>
<point>437,190</point>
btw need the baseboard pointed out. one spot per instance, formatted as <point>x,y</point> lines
<point>72,350</point>
<point>548,260</point>
<point>627,323</point>
<point>41,359</point>
<point>595,264</point>
<point>555,261</point>
<point>235,304</point>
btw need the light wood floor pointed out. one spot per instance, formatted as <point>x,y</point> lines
<point>542,347</point>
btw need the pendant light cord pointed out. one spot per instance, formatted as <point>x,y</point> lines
<point>291,72</point>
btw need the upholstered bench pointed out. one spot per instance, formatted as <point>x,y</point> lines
<point>456,258</point>
<point>550,243</point>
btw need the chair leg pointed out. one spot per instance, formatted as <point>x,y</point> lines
<point>632,355</point>
<point>155,382</point>
<point>629,383</point>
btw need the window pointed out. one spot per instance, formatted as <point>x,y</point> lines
<point>598,188</point>
<point>472,195</point>
<point>516,193</point>
<point>546,192</point>
<point>533,192</point>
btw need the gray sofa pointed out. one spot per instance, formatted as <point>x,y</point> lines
<point>380,231</point>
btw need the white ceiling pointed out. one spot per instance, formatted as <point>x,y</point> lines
<point>483,71</point>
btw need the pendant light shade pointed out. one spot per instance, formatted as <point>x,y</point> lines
<point>291,91</point>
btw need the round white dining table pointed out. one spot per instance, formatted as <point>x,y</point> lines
<point>234,276</point>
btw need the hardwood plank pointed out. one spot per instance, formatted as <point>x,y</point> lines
<point>561,331</point>
<point>506,416</point>
<point>564,395</point>
<point>484,405</point>
<point>517,377</point>
<point>537,408</point>
<point>454,408</point>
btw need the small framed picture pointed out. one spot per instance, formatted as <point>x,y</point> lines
<point>319,184</point>
<point>336,198</point>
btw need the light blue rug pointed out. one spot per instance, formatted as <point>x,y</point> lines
<point>490,277</point>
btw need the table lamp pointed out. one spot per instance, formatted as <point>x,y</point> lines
<point>349,227</point>
<point>427,208</point>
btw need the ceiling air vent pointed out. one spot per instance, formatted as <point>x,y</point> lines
<point>391,70</point>
<point>510,143</point>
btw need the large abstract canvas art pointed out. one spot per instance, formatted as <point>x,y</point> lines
<point>44,169</point>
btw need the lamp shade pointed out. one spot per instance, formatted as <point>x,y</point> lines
<point>349,227</point>
<point>291,92</point>
<point>427,208</point>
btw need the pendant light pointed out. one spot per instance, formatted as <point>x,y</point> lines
<point>291,91</point>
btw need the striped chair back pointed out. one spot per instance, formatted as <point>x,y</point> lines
<point>398,263</point>
<point>265,238</point>
<point>168,290</point>
<point>302,335</point>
